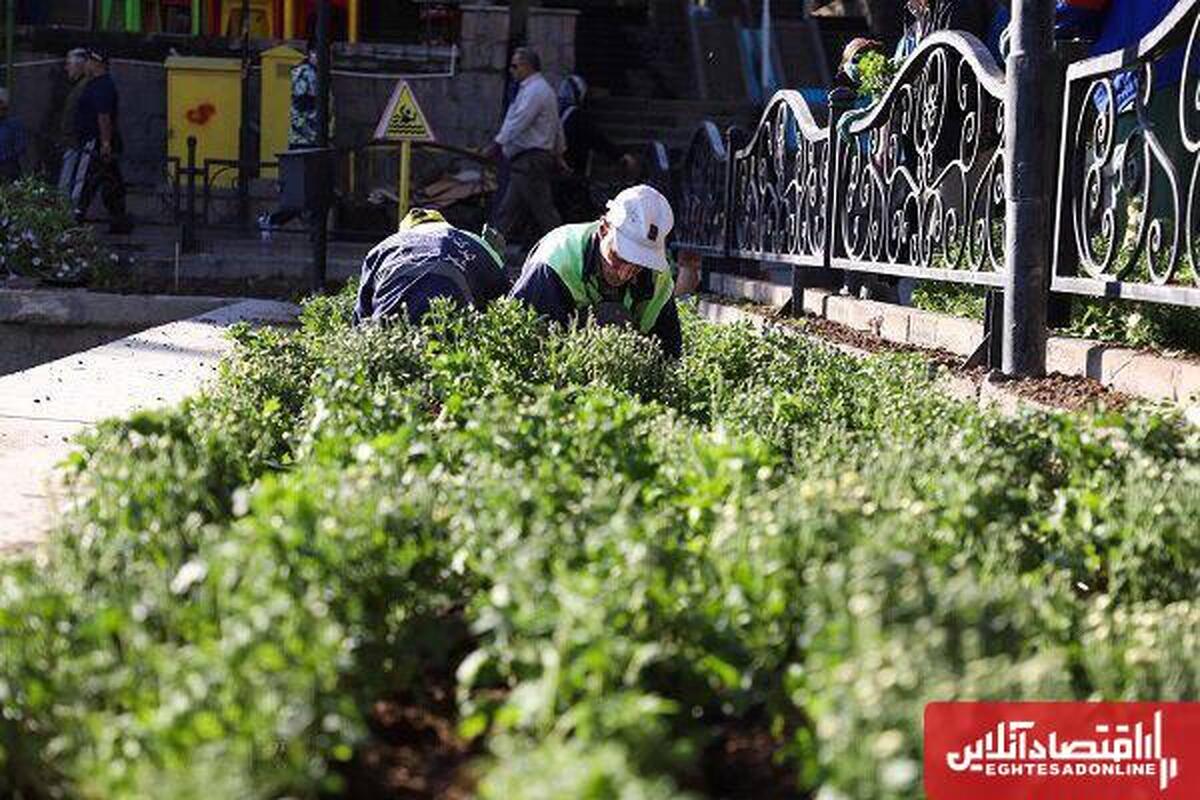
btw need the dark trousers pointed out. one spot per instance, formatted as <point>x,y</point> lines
<point>101,175</point>
<point>277,219</point>
<point>529,195</point>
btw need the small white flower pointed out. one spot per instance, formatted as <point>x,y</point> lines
<point>190,573</point>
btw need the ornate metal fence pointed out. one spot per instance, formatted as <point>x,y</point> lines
<point>1129,169</point>
<point>920,184</point>
<point>912,185</point>
<point>780,186</point>
<point>701,224</point>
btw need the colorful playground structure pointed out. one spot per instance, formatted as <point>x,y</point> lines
<point>269,19</point>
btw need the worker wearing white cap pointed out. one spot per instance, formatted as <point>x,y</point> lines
<point>619,261</point>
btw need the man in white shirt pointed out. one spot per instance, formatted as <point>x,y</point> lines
<point>531,138</point>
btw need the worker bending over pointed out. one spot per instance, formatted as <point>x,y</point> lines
<point>619,261</point>
<point>426,259</point>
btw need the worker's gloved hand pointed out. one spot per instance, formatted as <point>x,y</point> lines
<point>687,279</point>
<point>610,313</point>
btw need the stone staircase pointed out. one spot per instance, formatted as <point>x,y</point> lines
<point>630,52</point>
<point>632,122</point>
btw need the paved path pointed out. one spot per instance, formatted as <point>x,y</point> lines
<point>42,408</point>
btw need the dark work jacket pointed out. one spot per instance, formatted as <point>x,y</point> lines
<point>407,271</point>
<point>540,287</point>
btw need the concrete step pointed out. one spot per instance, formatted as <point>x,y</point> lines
<point>639,104</point>
<point>652,116</point>
<point>673,136</point>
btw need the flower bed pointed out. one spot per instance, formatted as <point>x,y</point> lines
<point>741,575</point>
<point>40,239</point>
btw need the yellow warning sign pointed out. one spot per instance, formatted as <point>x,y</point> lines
<point>403,120</point>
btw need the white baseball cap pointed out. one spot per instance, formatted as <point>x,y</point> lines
<point>641,219</point>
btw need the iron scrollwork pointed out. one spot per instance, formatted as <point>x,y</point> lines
<point>701,225</point>
<point>1129,196</point>
<point>922,169</point>
<point>780,182</point>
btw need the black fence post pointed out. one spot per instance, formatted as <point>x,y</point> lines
<point>840,100</point>
<point>245,143</point>
<point>727,221</point>
<point>1027,184</point>
<point>188,231</point>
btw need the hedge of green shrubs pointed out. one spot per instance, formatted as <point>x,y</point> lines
<point>622,563</point>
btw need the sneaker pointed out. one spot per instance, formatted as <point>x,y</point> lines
<point>265,226</point>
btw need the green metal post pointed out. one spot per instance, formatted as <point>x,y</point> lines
<point>133,16</point>
<point>105,14</point>
<point>197,10</point>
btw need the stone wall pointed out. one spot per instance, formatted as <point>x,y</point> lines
<point>551,32</point>
<point>38,92</point>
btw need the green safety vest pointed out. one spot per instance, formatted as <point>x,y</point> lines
<point>564,250</point>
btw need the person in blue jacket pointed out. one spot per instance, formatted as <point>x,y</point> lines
<point>1113,25</point>
<point>426,259</point>
<point>1118,25</point>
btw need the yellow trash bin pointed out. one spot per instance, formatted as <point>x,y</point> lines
<point>276,109</point>
<point>204,99</point>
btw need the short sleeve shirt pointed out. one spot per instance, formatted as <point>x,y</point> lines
<point>99,97</point>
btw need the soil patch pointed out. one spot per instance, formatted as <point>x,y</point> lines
<point>415,752</point>
<point>741,764</point>
<point>1072,392</point>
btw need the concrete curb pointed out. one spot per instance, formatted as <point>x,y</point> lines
<point>1132,372</point>
<point>44,408</point>
<point>83,308</point>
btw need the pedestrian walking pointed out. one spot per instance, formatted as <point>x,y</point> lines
<point>531,138</point>
<point>98,128</point>
<point>302,132</point>
<point>583,139</point>
<point>68,129</point>
<point>12,142</point>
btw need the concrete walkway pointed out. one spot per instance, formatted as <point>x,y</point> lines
<point>43,408</point>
